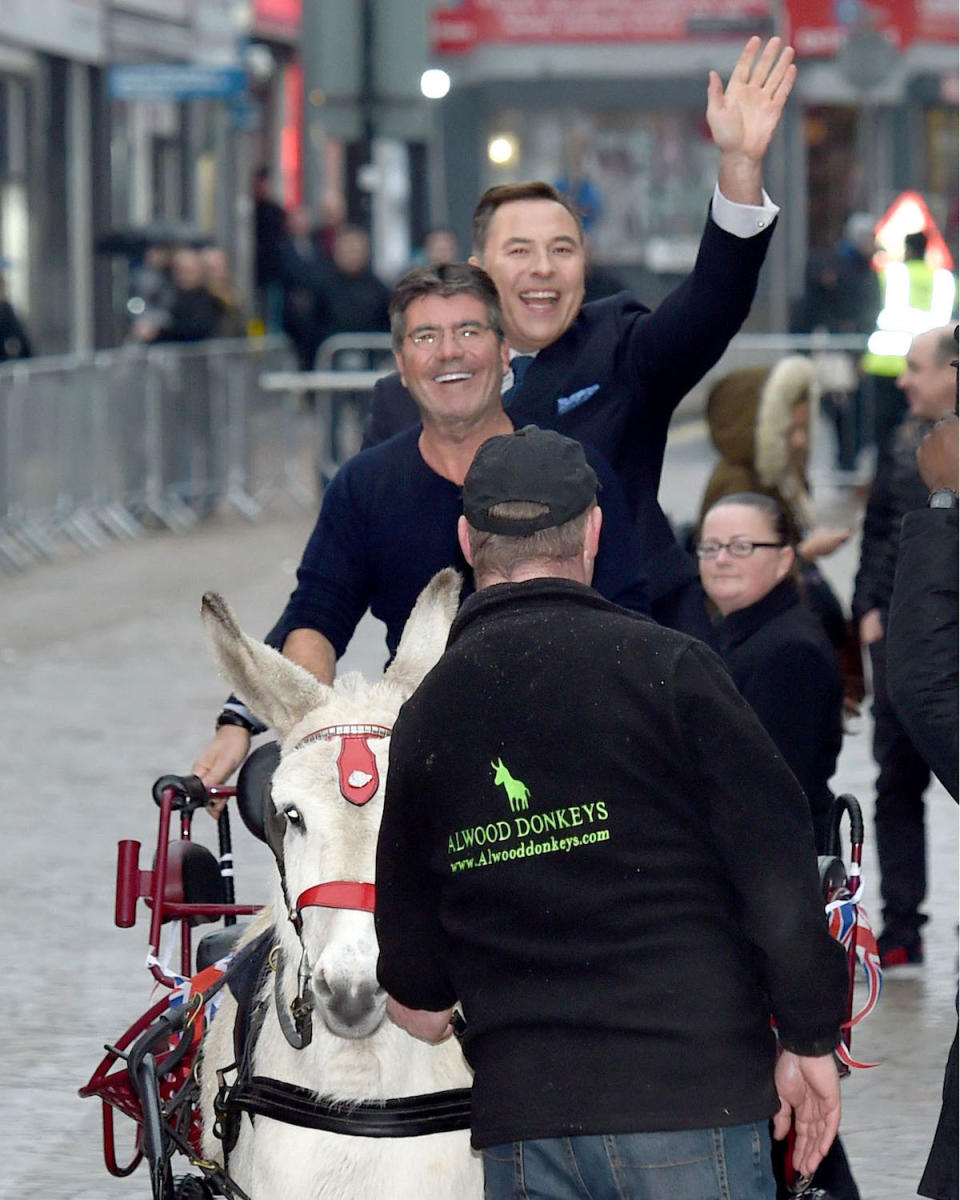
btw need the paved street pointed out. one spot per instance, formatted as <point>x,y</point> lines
<point>107,683</point>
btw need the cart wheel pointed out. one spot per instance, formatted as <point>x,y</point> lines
<point>191,1187</point>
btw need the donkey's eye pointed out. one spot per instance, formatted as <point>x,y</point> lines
<point>294,816</point>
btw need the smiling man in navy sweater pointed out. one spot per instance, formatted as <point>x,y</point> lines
<point>388,521</point>
<point>589,841</point>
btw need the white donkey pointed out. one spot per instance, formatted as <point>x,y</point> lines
<point>322,993</point>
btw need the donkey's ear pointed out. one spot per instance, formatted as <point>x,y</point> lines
<point>279,691</point>
<point>425,633</point>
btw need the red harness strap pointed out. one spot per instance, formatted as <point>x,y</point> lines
<point>339,893</point>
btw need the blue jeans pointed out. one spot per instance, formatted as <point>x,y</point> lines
<point>731,1163</point>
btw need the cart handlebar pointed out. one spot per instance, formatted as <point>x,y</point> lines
<point>189,791</point>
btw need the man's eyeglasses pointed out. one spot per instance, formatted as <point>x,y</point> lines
<point>739,547</point>
<point>425,337</point>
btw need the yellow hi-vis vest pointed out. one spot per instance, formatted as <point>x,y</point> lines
<point>915,298</point>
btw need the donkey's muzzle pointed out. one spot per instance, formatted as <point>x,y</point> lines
<point>351,1012</point>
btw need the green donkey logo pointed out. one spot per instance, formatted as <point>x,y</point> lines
<point>517,791</point>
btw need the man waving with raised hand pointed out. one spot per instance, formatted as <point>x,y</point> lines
<point>611,372</point>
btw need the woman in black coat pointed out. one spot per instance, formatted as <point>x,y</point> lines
<point>783,666</point>
<point>774,647</point>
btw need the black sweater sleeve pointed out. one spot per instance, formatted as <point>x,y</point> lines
<point>760,825</point>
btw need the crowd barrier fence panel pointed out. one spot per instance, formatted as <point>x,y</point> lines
<point>110,445</point>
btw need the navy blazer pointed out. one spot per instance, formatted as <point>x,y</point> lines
<point>616,376</point>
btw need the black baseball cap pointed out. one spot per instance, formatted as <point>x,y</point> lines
<point>534,465</point>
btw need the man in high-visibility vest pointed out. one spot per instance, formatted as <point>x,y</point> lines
<point>916,297</point>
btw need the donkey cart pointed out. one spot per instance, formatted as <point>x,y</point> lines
<point>149,1074</point>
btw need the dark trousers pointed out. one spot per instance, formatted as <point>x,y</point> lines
<point>833,1175</point>
<point>901,782</point>
<point>940,1176</point>
<point>885,407</point>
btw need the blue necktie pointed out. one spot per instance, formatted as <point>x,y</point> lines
<point>519,363</point>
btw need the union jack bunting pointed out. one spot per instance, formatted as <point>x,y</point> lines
<point>850,925</point>
<point>186,988</point>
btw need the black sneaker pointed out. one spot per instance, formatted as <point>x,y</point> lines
<point>897,952</point>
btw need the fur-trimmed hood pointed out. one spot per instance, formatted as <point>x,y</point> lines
<point>748,414</point>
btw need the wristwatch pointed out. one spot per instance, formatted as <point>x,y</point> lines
<point>942,498</point>
<point>230,717</point>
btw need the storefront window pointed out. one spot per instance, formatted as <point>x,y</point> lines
<point>643,181</point>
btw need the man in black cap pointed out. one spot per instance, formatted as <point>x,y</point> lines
<point>590,843</point>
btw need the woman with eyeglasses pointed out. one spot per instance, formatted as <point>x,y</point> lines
<point>773,645</point>
<point>763,423</point>
<point>784,667</point>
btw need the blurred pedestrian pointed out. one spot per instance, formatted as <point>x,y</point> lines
<point>611,373</point>
<point>929,385</point>
<point>843,293</point>
<point>331,218</point>
<point>194,311</point>
<point>303,272</point>
<point>843,296</point>
<point>439,246</point>
<point>355,299</point>
<point>269,219</point>
<point>14,342</point>
<point>620,921</point>
<point>218,278</point>
<point>151,285</point>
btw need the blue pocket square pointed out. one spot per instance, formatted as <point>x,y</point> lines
<point>565,403</point>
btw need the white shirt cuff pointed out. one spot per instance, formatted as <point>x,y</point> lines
<point>742,220</point>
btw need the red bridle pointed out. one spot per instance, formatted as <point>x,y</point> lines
<point>359,781</point>
<point>340,893</point>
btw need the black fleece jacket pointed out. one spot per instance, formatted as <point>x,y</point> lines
<point>589,840</point>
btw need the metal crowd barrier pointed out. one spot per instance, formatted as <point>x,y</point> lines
<point>113,444</point>
<point>339,387</point>
<point>116,443</point>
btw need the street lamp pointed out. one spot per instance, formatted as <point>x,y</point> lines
<point>502,149</point>
<point>434,83</point>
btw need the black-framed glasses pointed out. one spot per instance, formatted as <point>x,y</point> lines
<point>739,547</point>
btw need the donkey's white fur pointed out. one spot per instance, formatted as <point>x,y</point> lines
<point>356,1054</point>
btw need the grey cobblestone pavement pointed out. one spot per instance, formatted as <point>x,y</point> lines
<point>107,683</point>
